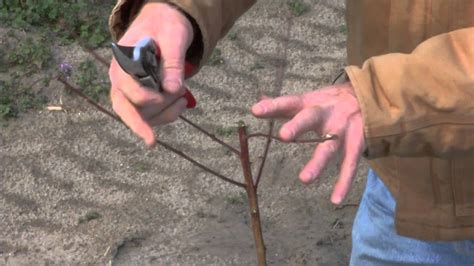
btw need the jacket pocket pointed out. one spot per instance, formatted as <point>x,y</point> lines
<point>463,186</point>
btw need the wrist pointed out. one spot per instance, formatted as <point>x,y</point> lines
<point>158,9</point>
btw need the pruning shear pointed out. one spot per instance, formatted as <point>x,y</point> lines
<point>142,62</point>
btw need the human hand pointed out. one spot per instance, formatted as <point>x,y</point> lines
<point>330,110</point>
<point>141,108</point>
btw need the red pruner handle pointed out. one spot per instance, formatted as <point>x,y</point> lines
<point>188,70</point>
<point>190,98</point>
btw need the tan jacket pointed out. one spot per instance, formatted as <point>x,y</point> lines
<point>412,66</point>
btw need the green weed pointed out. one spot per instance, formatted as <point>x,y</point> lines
<point>15,98</point>
<point>225,131</point>
<point>343,29</point>
<point>256,66</point>
<point>89,79</point>
<point>141,167</point>
<point>89,216</point>
<point>67,19</point>
<point>236,199</point>
<point>233,36</point>
<point>298,7</point>
<point>3,61</point>
<point>216,58</point>
<point>30,55</point>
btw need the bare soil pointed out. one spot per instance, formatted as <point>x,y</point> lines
<point>78,188</point>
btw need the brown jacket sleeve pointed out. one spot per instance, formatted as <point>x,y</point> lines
<point>212,17</point>
<point>420,104</point>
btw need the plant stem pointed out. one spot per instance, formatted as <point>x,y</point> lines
<point>212,136</point>
<point>205,168</point>
<point>316,140</point>
<point>87,48</point>
<point>252,196</point>
<point>280,76</point>
<point>78,92</point>
<point>95,55</point>
<point>265,153</point>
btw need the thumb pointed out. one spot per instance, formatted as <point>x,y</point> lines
<point>174,42</point>
<point>172,73</point>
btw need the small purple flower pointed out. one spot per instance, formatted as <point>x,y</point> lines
<point>65,69</point>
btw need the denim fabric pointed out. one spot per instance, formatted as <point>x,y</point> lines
<point>375,242</point>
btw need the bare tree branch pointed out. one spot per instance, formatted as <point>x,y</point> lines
<point>265,152</point>
<point>79,92</point>
<point>315,140</point>
<point>212,136</point>
<point>252,196</point>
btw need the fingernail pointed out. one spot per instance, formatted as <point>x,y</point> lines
<point>286,134</point>
<point>172,86</point>
<point>150,143</point>
<point>337,199</point>
<point>307,177</point>
<point>258,109</point>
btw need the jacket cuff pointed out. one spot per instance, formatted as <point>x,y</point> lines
<point>363,88</point>
<point>122,16</point>
<point>125,12</point>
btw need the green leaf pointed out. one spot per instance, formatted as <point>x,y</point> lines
<point>4,110</point>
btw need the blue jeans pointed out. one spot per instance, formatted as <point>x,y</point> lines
<point>375,242</point>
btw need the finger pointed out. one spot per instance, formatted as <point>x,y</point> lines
<point>151,110</point>
<point>321,156</point>
<point>173,52</point>
<point>304,121</point>
<point>281,107</point>
<point>131,117</point>
<point>170,114</point>
<point>131,89</point>
<point>353,148</point>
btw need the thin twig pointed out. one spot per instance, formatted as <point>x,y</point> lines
<point>316,140</point>
<point>340,207</point>
<point>166,146</point>
<point>35,82</point>
<point>87,48</point>
<point>265,152</point>
<point>96,55</point>
<point>280,76</point>
<point>205,168</point>
<point>212,136</point>
<point>79,92</point>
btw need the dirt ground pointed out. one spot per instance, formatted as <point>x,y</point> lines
<point>79,188</point>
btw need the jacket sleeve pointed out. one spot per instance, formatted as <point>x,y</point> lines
<point>211,18</point>
<point>419,104</point>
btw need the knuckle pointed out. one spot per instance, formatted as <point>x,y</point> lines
<point>139,97</point>
<point>114,98</point>
<point>331,146</point>
<point>288,132</point>
<point>115,106</point>
<point>113,70</point>
<point>168,118</point>
<point>175,64</point>
<point>173,117</point>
